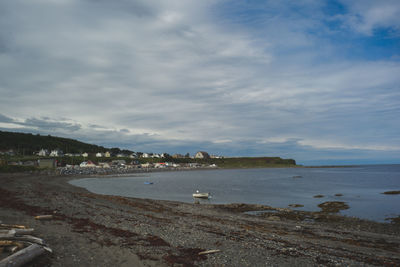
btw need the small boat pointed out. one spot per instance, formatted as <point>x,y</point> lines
<point>201,195</point>
<point>148,182</point>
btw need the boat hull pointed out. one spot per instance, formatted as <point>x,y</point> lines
<point>201,195</point>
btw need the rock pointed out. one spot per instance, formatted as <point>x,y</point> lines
<point>333,206</point>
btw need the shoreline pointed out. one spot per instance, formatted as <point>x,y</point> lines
<point>330,202</point>
<point>99,230</point>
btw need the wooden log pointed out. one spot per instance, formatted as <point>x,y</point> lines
<point>10,226</point>
<point>9,234</point>
<point>12,249</point>
<point>27,238</point>
<point>23,256</point>
<point>24,231</point>
<point>44,217</point>
<point>17,231</point>
<point>209,251</point>
<point>4,243</point>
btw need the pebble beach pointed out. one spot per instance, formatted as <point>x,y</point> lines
<point>88,229</point>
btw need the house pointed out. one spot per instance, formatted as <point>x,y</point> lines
<point>147,165</point>
<point>43,153</point>
<point>56,153</point>
<point>118,162</point>
<point>145,155</point>
<point>194,165</point>
<point>85,155</point>
<point>133,156</point>
<point>172,164</point>
<point>99,155</point>
<point>177,156</point>
<point>121,155</point>
<point>202,155</point>
<point>107,154</point>
<point>87,164</point>
<point>104,165</point>
<point>159,165</point>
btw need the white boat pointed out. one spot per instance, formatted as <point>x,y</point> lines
<point>201,195</point>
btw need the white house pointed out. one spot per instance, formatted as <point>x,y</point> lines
<point>146,165</point>
<point>99,155</point>
<point>56,153</point>
<point>104,165</point>
<point>43,152</point>
<point>107,154</point>
<point>87,164</point>
<point>202,155</point>
<point>85,155</point>
<point>145,155</point>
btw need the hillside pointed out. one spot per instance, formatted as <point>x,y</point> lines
<point>27,144</point>
<point>24,144</point>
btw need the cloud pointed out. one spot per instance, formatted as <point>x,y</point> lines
<point>197,75</point>
<point>5,119</point>
<point>46,124</point>
<point>368,16</point>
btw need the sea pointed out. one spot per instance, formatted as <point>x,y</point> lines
<point>361,187</point>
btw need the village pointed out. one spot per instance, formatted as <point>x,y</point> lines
<point>109,163</point>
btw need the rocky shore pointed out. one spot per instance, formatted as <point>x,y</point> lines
<point>87,229</point>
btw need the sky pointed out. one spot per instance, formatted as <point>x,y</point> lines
<point>317,81</point>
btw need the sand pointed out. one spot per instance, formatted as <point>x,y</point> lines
<point>96,230</point>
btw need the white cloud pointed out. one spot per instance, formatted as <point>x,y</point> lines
<point>365,16</point>
<point>176,73</point>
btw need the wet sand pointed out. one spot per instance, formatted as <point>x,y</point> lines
<point>97,230</point>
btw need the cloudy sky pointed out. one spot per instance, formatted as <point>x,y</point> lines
<point>317,81</point>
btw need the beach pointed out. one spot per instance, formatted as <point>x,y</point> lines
<point>88,229</point>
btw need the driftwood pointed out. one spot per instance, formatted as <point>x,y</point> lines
<point>23,256</point>
<point>12,249</point>
<point>27,238</point>
<point>10,226</point>
<point>24,231</point>
<point>15,237</point>
<point>12,235</point>
<point>44,217</point>
<point>4,243</point>
<point>209,251</point>
<point>18,231</point>
<point>8,234</point>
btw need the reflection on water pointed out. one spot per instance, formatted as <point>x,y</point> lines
<point>360,188</point>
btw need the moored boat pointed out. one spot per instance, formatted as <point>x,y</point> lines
<point>201,195</point>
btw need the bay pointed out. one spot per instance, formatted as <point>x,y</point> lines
<point>360,187</point>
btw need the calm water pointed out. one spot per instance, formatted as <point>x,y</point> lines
<point>361,187</point>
